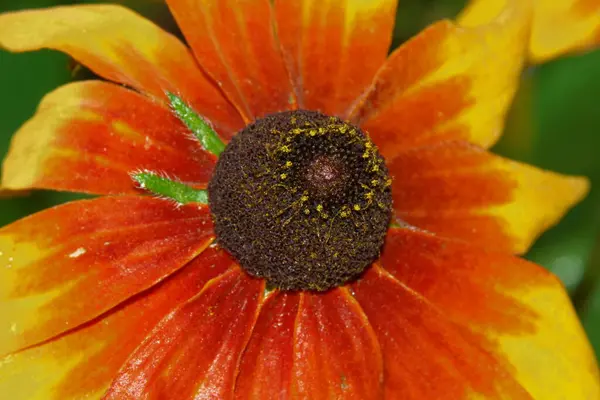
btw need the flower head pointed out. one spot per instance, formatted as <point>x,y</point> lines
<point>287,212</point>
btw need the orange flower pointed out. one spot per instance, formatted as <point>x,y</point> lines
<point>126,296</point>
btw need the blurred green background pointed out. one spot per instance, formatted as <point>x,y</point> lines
<point>554,124</point>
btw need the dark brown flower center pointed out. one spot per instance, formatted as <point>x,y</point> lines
<point>325,176</point>
<point>301,199</point>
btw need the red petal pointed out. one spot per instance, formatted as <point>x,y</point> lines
<point>66,265</point>
<point>194,352</point>
<point>425,355</point>
<point>89,136</point>
<point>235,43</point>
<point>311,346</point>
<point>334,48</point>
<point>461,191</point>
<point>82,363</point>
<point>449,82</point>
<point>464,305</point>
<point>336,353</point>
<point>266,366</point>
<point>119,45</point>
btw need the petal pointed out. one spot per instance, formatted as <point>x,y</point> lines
<point>336,353</point>
<point>459,190</point>
<point>119,45</point>
<point>558,27</point>
<point>194,352</point>
<point>333,48</point>
<point>235,43</point>
<point>89,136</point>
<point>425,355</point>
<point>449,82</point>
<point>266,366</point>
<point>561,27</point>
<point>66,265</point>
<point>311,346</point>
<point>81,363</point>
<point>513,309</point>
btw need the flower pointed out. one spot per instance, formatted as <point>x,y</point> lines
<point>126,296</point>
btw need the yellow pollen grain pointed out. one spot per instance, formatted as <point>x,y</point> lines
<point>319,208</point>
<point>283,176</point>
<point>288,164</point>
<point>306,211</point>
<point>356,207</point>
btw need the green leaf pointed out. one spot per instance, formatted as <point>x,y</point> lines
<point>165,187</point>
<point>207,137</point>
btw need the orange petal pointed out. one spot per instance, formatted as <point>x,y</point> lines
<point>89,136</point>
<point>425,355</point>
<point>311,346</point>
<point>82,363</point>
<point>266,366</point>
<point>334,48</point>
<point>119,45</point>
<point>194,352</point>
<point>459,190</point>
<point>336,353</point>
<point>559,27</point>
<point>449,82</point>
<point>66,265</point>
<point>465,305</point>
<point>235,43</point>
